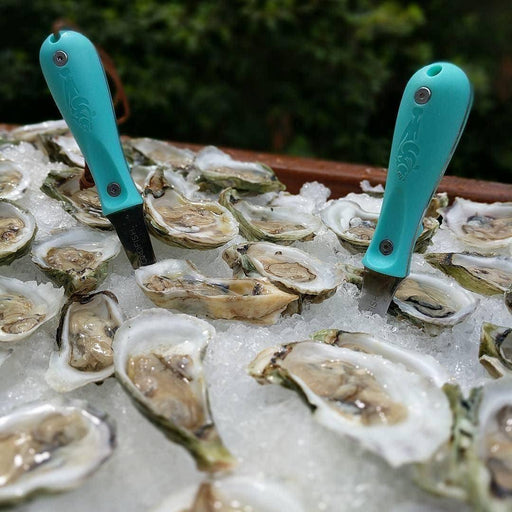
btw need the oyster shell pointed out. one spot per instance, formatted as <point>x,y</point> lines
<point>14,180</point>
<point>178,221</point>
<point>17,230</point>
<point>291,269</point>
<point>485,226</point>
<point>31,132</point>
<point>76,259</point>
<point>158,360</point>
<point>51,447</point>
<point>495,352</point>
<point>177,284</point>
<point>354,225</point>
<point>25,306</point>
<point>241,492</point>
<point>385,407</point>
<point>422,364</point>
<point>63,148</point>
<point>487,275</point>
<point>218,171</point>
<point>280,224</point>
<point>84,338</point>
<point>84,205</point>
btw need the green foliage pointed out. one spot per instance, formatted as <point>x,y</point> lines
<point>318,77</point>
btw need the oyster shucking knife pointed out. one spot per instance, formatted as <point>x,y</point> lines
<point>77,81</point>
<point>432,115</point>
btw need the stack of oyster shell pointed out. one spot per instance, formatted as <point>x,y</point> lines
<point>252,285</point>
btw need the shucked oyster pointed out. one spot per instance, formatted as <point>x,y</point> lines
<point>14,180</point>
<point>84,205</point>
<point>399,415</point>
<point>62,148</point>
<point>176,220</point>
<point>177,284</point>
<point>218,170</point>
<point>158,360</point>
<point>280,224</point>
<point>84,338</point>
<point>289,268</point>
<point>17,230</point>
<point>76,259</point>
<point>25,306</point>
<point>484,226</point>
<point>487,275</point>
<point>51,447</point>
<point>495,352</point>
<point>232,494</point>
<point>31,132</point>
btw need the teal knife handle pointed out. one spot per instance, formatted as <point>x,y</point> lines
<point>428,127</point>
<point>78,84</point>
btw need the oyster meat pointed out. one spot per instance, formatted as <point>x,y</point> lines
<point>17,230</point>
<point>289,268</point>
<point>63,148</point>
<point>485,226</point>
<point>218,171</point>
<point>495,352</point>
<point>76,259</point>
<point>230,494</point>
<point>487,275</point>
<point>83,204</point>
<point>84,338</point>
<point>158,360</point>
<point>280,224</point>
<point>400,415</point>
<point>25,306</point>
<point>14,180</point>
<point>176,220</point>
<point>177,284</point>
<point>51,447</point>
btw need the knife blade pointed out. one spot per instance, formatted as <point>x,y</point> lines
<point>77,81</point>
<point>431,118</point>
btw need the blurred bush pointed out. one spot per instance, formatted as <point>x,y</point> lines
<point>320,78</point>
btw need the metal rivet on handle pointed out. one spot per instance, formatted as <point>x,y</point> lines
<point>60,58</point>
<point>386,247</point>
<point>422,95</point>
<point>113,189</point>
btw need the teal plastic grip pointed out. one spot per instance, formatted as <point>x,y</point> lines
<point>78,84</point>
<point>432,115</point>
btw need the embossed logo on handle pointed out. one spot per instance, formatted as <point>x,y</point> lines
<point>78,106</point>
<point>408,150</point>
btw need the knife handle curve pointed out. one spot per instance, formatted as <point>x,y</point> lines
<point>76,78</point>
<point>431,118</point>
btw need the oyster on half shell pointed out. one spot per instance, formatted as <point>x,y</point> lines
<point>495,352</point>
<point>51,447</point>
<point>178,221</point>
<point>177,284</point>
<point>25,306</point>
<point>158,360</point>
<point>280,224</point>
<point>17,231</point>
<point>84,339</point>
<point>399,415</point>
<point>14,180</point>
<point>62,148</point>
<point>76,259</point>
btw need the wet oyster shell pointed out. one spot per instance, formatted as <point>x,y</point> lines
<point>84,205</point>
<point>51,447</point>
<point>25,306</point>
<point>30,132</point>
<point>218,171</point>
<point>62,148</point>
<point>177,221</point>
<point>487,275</point>
<point>288,268</point>
<point>17,231</point>
<point>386,408</point>
<point>495,352</point>
<point>251,494</point>
<point>485,226</point>
<point>177,284</point>
<point>76,259</point>
<point>158,361</point>
<point>280,224</point>
<point>84,339</point>
<point>14,180</point>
